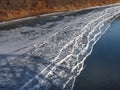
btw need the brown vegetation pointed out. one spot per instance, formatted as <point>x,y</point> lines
<point>12,9</point>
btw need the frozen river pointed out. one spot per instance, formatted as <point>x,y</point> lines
<point>48,52</point>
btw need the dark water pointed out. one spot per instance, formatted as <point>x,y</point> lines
<point>102,71</point>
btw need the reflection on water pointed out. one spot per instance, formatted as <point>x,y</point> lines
<point>102,71</point>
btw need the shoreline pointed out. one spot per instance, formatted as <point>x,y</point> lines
<point>3,23</point>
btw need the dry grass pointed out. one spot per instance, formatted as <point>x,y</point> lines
<point>10,10</point>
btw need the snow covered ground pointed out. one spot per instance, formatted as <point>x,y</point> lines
<point>49,52</point>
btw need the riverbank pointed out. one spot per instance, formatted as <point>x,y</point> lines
<point>10,10</point>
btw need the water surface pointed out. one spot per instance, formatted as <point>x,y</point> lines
<point>102,67</point>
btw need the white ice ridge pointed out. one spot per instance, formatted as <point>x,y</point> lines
<point>54,60</point>
<point>69,62</point>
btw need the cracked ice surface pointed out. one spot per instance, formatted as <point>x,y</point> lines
<point>50,54</point>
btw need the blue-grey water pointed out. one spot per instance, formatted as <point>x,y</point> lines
<point>102,67</point>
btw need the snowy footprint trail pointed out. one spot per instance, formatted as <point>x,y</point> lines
<point>55,61</point>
